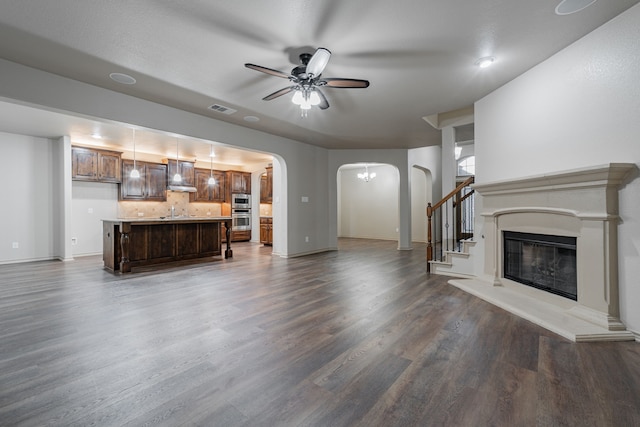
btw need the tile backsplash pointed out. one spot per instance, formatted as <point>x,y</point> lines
<point>146,209</point>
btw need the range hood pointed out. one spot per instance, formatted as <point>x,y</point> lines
<point>181,188</point>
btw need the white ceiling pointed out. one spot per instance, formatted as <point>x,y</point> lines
<point>419,56</point>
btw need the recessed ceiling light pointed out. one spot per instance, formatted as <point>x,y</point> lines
<point>485,62</point>
<point>251,119</point>
<point>96,136</point>
<point>567,7</point>
<point>124,79</point>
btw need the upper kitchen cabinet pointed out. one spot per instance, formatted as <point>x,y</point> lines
<point>266,186</point>
<point>151,186</point>
<point>239,182</point>
<point>185,169</point>
<point>90,164</point>
<point>206,192</point>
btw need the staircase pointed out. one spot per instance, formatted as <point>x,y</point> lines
<point>450,242</point>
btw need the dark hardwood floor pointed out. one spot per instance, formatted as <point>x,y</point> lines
<point>357,337</point>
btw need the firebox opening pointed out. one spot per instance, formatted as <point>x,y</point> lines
<point>542,261</point>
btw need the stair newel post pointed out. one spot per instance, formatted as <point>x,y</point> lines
<point>429,237</point>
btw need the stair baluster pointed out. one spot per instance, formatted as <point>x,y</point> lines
<point>460,222</point>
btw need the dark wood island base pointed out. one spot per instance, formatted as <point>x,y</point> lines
<point>130,243</point>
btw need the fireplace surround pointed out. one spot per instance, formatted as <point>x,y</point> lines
<point>578,204</point>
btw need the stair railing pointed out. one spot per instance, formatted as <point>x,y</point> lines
<point>450,221</point>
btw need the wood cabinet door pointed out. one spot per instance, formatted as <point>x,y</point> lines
<point>246,177</point>
<point>239,182</point>
<point>203,190</point>
<point>209,238</point>
<point>132,188</point>
<point>264,233</point>
<point>155,177</point>
<point>206,192</point>
<point>236,182</point>
<point>263,188</point>
<point>218,189</point>
<point>109,167</point>
<point>269,186</point>
<point>84,164</point>
<point>186,170</point>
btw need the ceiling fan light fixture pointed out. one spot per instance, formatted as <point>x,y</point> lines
<point>298,98</point>
<point>314,98</point>
<point>318,61</point>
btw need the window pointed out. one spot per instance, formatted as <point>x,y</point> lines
<point>467,166</point>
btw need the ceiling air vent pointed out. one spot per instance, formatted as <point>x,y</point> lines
<point>222,109</point>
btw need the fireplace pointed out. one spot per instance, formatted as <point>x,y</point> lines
<point>542,261</point>
<point>549,247</point>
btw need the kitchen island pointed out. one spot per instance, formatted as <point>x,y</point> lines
<point>136,242</point>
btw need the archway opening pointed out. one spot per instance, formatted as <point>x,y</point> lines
<point>368,208</point>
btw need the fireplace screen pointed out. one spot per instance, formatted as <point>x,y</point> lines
<point>542,261</point>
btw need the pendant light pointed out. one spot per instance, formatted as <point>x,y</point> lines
<point>177,177</point>
<point>134,172</point>
<point>212,180</point>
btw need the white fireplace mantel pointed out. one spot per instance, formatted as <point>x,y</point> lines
<point>581,203</point>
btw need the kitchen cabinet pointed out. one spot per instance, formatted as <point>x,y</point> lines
<point>186,170</point>
<point>90,164</point>
<point>142,242</point>
<point>208,193</point>
<point>151,186</point>
<point>238,183</point>
<point>236,236</point>
<point>266,231</point>
<point>266,186</point>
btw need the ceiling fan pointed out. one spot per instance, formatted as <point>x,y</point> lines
<point>307,80</point>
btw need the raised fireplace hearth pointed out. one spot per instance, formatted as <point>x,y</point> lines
<point>550,250</point>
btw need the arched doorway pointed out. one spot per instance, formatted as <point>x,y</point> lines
<point>368,208</point>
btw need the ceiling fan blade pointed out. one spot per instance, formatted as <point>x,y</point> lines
<point>346,83</point>
<point>318,61</point>
<point>267,70</point>
<point>324,104</point>
<point>278,93</point>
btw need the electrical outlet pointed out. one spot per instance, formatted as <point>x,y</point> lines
<point>74,240</point>
<point>306,239</point>
<point>305,199</point>
<point>90,210</point>
<point>140,213</point>
<point>15,245</point>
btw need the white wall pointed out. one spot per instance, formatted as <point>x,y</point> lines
<point>29,211</point>
<point>579,108</point>
<point>426,186</point>
<point>368,209</point>
<point>91,202</point>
